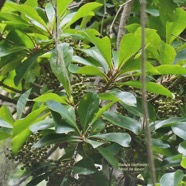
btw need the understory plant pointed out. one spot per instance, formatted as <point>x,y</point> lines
<point>71,102</point>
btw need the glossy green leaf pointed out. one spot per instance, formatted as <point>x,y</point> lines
<point>42,125</point>
<point>84,167</point>
<point>151,87</point>
<point>62,110</point>
<point>23,124</point>
<point>62,6</point>
<point>172,179</point>
<point>180,129</point>
<point>173,29</point>
<point>168,122</point>
<point>120,96</point>
<point>21,130</point>
<point>61,126</point>
<point>4,135</point>
<point>19,140</point>
<point>180,55</point>
<point>98,125</point>
<point>135,65</point>
<point>87,108</point>
<point>167,53</point>
<point>87,70</point>
<point>122,139</point>
<point>171,69</point>
<point>183,162</point>
<point>54,139</point>
<point>31,13</point>
<point>108,156</point>
<point>50,12</point>
<point>37,179</point>
<point>6,50</point>
<point>103,45</point>
<point>182,148</point>
<point>94,143</point>
<point>51,97</point>
<point>6,115</point>
<point>98,57</point>
<point>158,143</point>
<point>21,39</point>
<point>33,3</point>
<point>5,124</point>
<point>86,10</point>
<point>129,46</point>
<point>24,67</point>
<point>21,103</point>
<point>122,121</point>
<point>59,62</point>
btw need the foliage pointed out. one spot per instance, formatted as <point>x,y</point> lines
<point>74,95</point>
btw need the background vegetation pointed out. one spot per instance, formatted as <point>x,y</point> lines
<point>71,99</point>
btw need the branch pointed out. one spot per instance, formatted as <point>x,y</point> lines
<point>144,97</point>
<point>10,88</point>
<point>7,99</point>
<point>123,21</point>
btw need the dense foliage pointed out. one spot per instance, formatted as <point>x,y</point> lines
<point>71,101</point>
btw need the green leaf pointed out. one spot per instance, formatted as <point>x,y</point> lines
<point>62,110</point>
<point>97,56</point>
<point>122,121</point>
<point>183,162</point>
<point>126,97</point>
<point>6,115</point>
<point>5,124</point>
<point>19,140</point>
<point>122,139</point>
<point>4,135</point>
<point>157,143</point>
<point>98,125</point>
<point>151,87</point>
<point>21,129</point>
<point>174,29</point>
<point>172,179</point>
<point>62,6</point>
<point>22,124</point>
<point>61,126</point>
<point>6,50</point>
<point>31,13</point>
<point>21,103</point>
<point>42,125</point>
<point>182,148</point>
<point>59,62</point>
<point>85,10</point>
<point>54,139</point>
<point>171,70</point>
<point>84,167</point>
<point>51,97</point>
<point>87,108</point>
<point>168,122</point>
<point>103,45</point>
<point>87,70</point>
<point>180,55</point>
<point>108,156</point>
<point>94,143</point>
<point>180,129</point>
<point>167,53</point>
<point>129,46</point>
<point>50,12</point>
<point>24,67</point>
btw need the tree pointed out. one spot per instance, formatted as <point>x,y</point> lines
<point>71,91</point>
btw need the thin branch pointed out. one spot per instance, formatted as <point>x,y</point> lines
<point>7,99</point>
<point>144,97</point>
<point>10,88</point>
<point>123,21</point>
<point>102,21</point>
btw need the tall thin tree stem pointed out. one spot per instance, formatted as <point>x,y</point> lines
<point>144,98</point>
